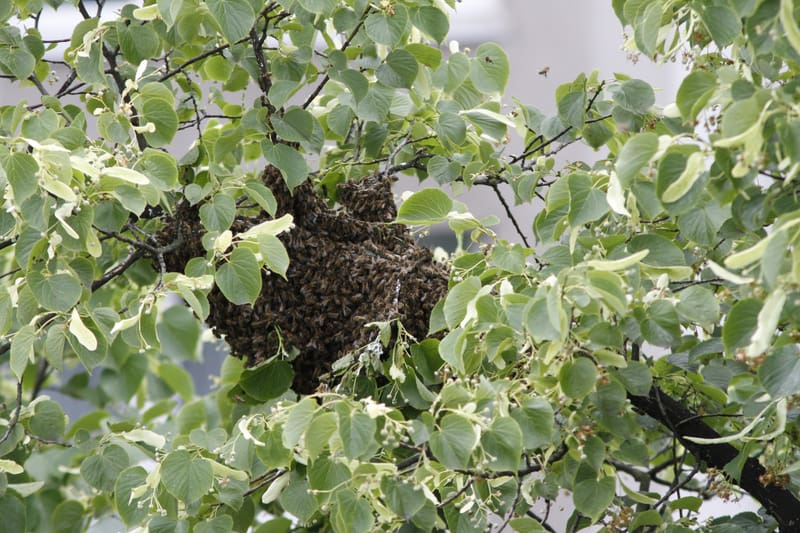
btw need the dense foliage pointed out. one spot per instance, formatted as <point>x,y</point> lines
<point>637,360</point>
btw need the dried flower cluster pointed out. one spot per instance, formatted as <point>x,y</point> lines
<point>348,267</point>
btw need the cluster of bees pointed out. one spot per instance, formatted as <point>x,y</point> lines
<point>348,267</point>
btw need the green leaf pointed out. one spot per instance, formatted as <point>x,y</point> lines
<point>161,114</point>
<point>59,292</point>
<point>375,105</point>
<point>535,418</point>
<point>179,332</point>
<point>636,96</point>
<point>353,80</point>
<point>740,117</point>
<point>662,251</point>
<point>702,224</point>
<point>387,27</point>
<point>577,378</point>
<point>240,278</point>
<point>235,17</point>
<point>295,125</point>
<point>403,499</point>
<point>431,21</point>
<point>357,431</point>
<point>634,155</point>
<point>540,323</point>
<point>319,7</point>
<point>635,377</point>
<point>262,195</point>
<point>399,69</point>
<point>780,372</point>
<point>646,28</point>
<point>297,422</point>
<point>352,514</point>
<point>185,477</point>
<point>69,516</point>
<point>677,188</point>
<point>131,198</point>
<point>126,506</point>
<point>273,254</point>
<point>740,324</point>
<point>13,512</point>
<point>453,443</point>
<point>218,214</point>
<point>101,471</point>
<point>325,476</point>
<point>503,443</point>
<point>586,202</point>
<point>425,55</point>
<point>650,517</point>
<point>177,379</point>
<point>21,171</point>
<point>137,42</point>
<point>695,91</point>
<point>698,304</point>
<point>297,500</point>
<point>267,381</point>
<point>592,497</point>
<point>455,306</point>
<point>608,287</point>
<point>489,69</point>
<point>427,206</point>
<point>219,524</point>
<point>492,124</point>
<point>571,109</point>
<point>160,168</point>
<point>289,161</point>
<point>723,24</point>
<point>49,421</point>
<point>22,349</point>
<point>661,326</point>
<point>20,62</point>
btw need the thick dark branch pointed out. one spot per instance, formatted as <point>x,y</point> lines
<point>778,501</point>
<point>539,519</point>
<point>8,242</point>
<point>113,272</point>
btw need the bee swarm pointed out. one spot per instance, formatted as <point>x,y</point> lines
<point>347,268</point>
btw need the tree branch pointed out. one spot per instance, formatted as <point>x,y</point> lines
<point>113,272</point>
<point>344,46</point>
<point>778,501</point>
<point>15,417</point>
<point>496,188</point>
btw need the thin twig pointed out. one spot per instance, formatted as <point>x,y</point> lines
<point>344,46</point>
<point>496,188</point>
<point>42,373</point>
<point>450,499</point>
<point>514,504</point>
<point>15,417</point>
<point>180,68</point>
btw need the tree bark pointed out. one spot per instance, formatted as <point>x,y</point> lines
<point>779,502</point>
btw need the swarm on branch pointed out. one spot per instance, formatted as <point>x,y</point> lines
<point>348,268</point>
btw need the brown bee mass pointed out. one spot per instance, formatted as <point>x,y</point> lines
<point>347,268</point>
